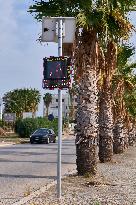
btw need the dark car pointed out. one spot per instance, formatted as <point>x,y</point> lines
<point>43,135</point>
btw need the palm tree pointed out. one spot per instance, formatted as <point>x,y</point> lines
<point>86,129</point>
<point>32,100</point>
<point>122,83</point>
<point>117,27</point>
<point>86,117</point>
<point>100,22</point>
<point>105,106</point>
<point>130,102</point>
<point>47,101</point>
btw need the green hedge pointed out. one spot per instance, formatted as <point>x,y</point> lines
<point>27,126</point>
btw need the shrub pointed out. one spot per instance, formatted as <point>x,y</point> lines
<point>25,127</point>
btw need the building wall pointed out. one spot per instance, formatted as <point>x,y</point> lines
<point>53,108</point>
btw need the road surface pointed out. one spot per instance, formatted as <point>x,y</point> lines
<point>25,168</point>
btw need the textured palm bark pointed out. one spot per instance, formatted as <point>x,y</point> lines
<point>118,137</point>
<point>131,137</point>
<point>125,133</point>
<point>118,110</point>
<point>86,116</point>
<point>105,105</point>
<point>134,133</point>
<point>105,126</point>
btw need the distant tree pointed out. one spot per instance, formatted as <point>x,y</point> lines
<point>47,101</point>
<point>33,101</point>
<point>21,100</point>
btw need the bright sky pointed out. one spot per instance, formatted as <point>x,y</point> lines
<point>20,55</point>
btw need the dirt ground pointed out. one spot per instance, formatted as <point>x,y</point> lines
<point>115,184</point>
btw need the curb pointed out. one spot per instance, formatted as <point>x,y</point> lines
<point>41,190</point>
<point>35,193</point>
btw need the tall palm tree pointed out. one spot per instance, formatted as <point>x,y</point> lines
<point>47,101</point>
<point>101,21</point>
<point>86,129</point>
<point>86,117</point>
<point>122,83</point>
<point>105,106</point>
<point>117,27</point>
<point>130,102</point>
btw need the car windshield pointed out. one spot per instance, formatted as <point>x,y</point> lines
<point>41,131</point>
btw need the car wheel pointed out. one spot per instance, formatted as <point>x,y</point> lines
<point>48,141</point>
<point>54,141</point>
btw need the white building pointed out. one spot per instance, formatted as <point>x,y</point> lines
<point>53,107</point>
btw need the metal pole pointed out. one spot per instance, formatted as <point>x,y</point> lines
<point>0,108</point>
<point>60,24</point>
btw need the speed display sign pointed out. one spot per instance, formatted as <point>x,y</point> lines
<point>57,72</point>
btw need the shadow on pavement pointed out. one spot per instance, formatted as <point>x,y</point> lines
<point>27,176</point>
<point>38,162</point>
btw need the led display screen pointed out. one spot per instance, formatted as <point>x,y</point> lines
<point>56,68</point>
<point>57,72</point>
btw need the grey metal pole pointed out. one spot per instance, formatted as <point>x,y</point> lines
<point>60,24</point>
<point>0,108</point>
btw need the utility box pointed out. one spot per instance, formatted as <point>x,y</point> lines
<point>50,29</point>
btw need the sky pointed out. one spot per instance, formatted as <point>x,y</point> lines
<point>21,56</point>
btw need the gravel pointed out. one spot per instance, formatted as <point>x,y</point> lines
<point>115,184</point>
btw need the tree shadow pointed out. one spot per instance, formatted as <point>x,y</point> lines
<point>34,162</point>
<point>27,176</point>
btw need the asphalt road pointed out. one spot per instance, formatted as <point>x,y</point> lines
<point>25,168</point>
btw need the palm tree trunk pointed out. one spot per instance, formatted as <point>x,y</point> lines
<point>44,110</point>
<point>86,117</point>
<point>105,105</point>
<point>125,133</point>
<point>105,126</point>
<point>33,114</point>
<point>47,111</point>
<point>118,137</point>
<point>72,108</point>
<point>118,108</point>
<point>134,133</point>
<point>131,137</point>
